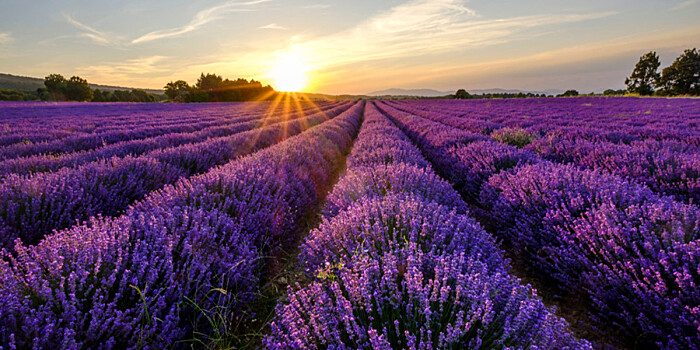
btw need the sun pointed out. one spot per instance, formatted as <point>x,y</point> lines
<point>289,74</point>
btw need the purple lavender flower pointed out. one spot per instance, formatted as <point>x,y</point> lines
<point>374,225</point>
<point>404,298</point>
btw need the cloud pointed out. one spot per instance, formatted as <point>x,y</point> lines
<point>134,71</point>
<point>420,30</point>
<point>684,4</point>
<point>317,6</point>
<point>423,27</point>
<point>273,26</point>
<point>201,18</point>
<point>589,67</point>
<point>90,33</point>
<point>6,38</point>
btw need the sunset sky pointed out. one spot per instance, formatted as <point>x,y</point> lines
<point>347,46</point>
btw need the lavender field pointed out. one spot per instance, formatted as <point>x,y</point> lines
<point>539,223</point>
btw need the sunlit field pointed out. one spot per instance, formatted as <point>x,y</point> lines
<point>550,222</point>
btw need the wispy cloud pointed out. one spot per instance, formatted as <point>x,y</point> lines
<point>684,4</point>
<point>273,26</point>
<point>544,69</point>
<point>5,38</point>
<point>201,18</point>
<point>403,35</point>
<point>423,27</point>
<point>89,32</point>
<point>317,6</point>
<point>138,70</point>
<point>405,38</point>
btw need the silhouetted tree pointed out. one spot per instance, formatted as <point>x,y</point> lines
<point>569,93</point>
<point>177,91</point>
<point>77,89</point>
<point>122,96</point>
<point>209,82</point>
<point>682,77</point>
<point>197,95</point>
<point>645,75</point>
<point>16,95</point>
<point>213,88</point>
<point>98,96</point>
<point>106,96</point>
<point>462,94</point>
<point>142,96</point>
<point>43,94</point>
<point>56,87</point>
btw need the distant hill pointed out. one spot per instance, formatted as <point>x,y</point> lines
<point>436,93</point>
<point>9,81</point>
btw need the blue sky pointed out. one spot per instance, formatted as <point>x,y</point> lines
<point>347,46</point>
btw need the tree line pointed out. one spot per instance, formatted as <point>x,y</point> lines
<point>58,88</point>
<point>208,88</point>
<point>17,95</point>
<point>463,94</point>
<point>214,88</point>
<point>682,77</point>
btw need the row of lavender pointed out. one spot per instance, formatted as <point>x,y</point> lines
<point>76,156</point>
<point>78,131</point>
<point>47,121</point>
<point>397,263</point>
<point>614,119</point>
<point>33,206</point>
<point>655,142</point>
<point>178,268</point>
<point>628,255</point>
<point>41,133</point>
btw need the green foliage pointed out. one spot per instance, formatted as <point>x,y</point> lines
<point>139,95</point>
<point>77,89</point>
<point>121,96</point>
<point>568,93</point>
<point>462,94</point>
<point>197,95</point>
<point>135,95</point>
<point>210,82</point>
<point>98,95</point>
<point>56,87</point>
<point>645,75</point>
<point>177,91</point>
<point>514,136</point>
<point>214,88</point>
<point>17,95</point>
<point>611,92</point>
<point>682,77</point>
<point>43,94</point>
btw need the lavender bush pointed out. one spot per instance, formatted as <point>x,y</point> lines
<point>514,136</point>
<point>631,252</point>
<point>394,269</point>
<point>122,283</point>
<point>404,298</point>
<point>30,207</point>
<point>158,275</point>
<point>618,247</point>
